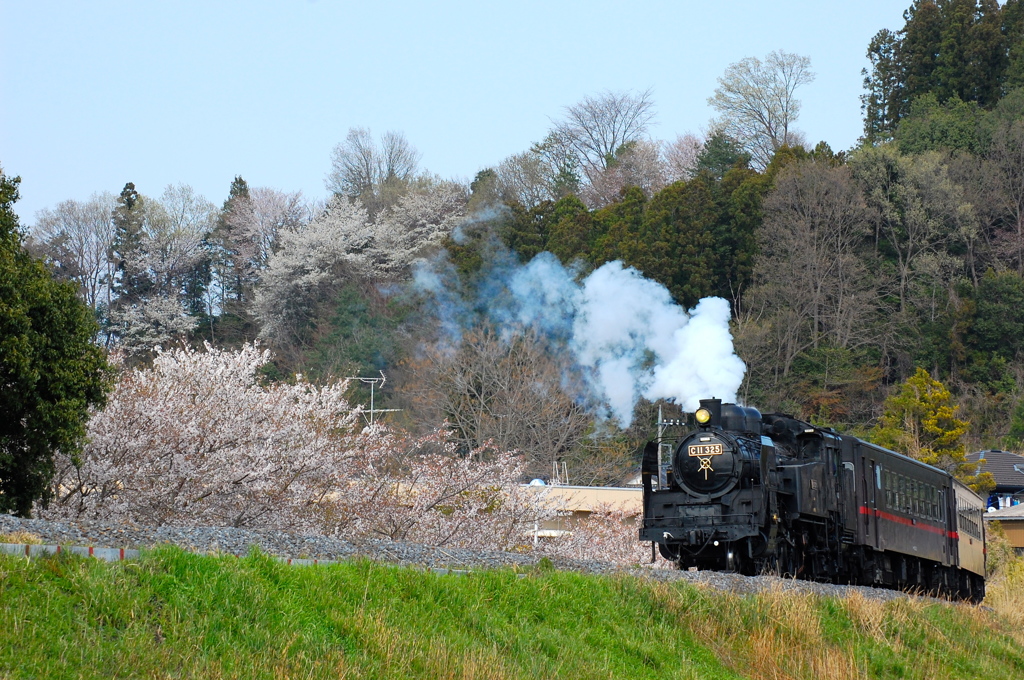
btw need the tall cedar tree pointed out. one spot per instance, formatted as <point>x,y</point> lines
<point>50,370</point>
<point>133,283</point>
<point>956,48</point>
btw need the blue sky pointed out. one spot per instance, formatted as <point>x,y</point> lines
<point>95,94</point>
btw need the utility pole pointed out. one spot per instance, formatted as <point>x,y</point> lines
<point>662,445</point>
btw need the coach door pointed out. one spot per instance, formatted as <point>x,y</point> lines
<point>872,483</point>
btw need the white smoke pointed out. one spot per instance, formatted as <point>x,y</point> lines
<point>629,335</point>
<point>623,330</point>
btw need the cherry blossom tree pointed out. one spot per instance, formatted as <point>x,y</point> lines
<point>422,490</point>
<point>681,156</point>
<point>198,440</point>
<point>344,242</point>
<point>608,534</point>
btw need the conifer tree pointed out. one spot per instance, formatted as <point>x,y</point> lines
<point>920,420</point>
<point>128,253</point>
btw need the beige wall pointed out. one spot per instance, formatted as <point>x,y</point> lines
<point>580,501</point>
<point>1014,529</point>
<point>586,499</point>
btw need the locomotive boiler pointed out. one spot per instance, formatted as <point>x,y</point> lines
<point>757,493</point>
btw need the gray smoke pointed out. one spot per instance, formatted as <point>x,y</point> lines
<point>620,329</point>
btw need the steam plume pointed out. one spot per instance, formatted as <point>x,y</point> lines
<point>622,330</point>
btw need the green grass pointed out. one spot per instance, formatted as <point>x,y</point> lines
<point>175,614</point>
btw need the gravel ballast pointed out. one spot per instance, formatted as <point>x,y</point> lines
<point>237,541</point>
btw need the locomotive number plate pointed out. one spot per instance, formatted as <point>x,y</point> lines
<point>701,450</point>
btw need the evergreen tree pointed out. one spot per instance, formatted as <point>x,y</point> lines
<point>954,125</point>
<point>133,282</point>
<point>678,240</point>
<point>720,153</point>
<point>951,49</point>
<point>1012,19</point>
<point>738,196</point>
<point>998,327</point>
<point>525,231</point>
<point>228,258</point>
<point>883,82</point>
<point>917,53</point>
<point>621,230</point>
<point>51,371</point>
<point>571,234</point>
<point>920,420</point>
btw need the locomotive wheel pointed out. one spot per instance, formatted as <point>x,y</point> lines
<point>784,561</point>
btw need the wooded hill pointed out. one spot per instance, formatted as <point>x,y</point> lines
<point>847,271</point>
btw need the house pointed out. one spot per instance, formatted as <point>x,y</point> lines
<point>1008,469</point>
<point>1012,521</point>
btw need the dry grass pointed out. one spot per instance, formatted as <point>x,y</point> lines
<point>781,634</point>
<point>1005,596</point>
<point>21,537</point>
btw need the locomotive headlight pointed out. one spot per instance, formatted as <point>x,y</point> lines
<point>702,415</point>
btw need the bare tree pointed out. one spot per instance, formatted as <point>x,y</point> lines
<point>506,390</point>
<point>1006,173</point>
<point>77,237</point>
<point>258,219</point>
<point>525,178</point>
<point>173,233</point>
<point>812,258</point>
<point>375,174</point>
<point>817,293</point>
<point>757,103</point>
<point>597,127</point>
<point>398,159</point>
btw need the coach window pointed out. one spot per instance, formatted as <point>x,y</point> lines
<point>888,489</point>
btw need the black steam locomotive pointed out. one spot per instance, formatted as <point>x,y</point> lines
<point>757,493</point>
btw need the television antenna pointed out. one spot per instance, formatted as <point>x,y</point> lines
<point>374,383</point>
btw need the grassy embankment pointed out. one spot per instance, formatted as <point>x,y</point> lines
<point>175,614</point>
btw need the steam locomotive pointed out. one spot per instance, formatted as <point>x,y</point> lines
<point>757,493</point>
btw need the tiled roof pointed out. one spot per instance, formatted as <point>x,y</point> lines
<point>1006,467</point>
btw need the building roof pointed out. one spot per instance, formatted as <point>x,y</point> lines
<point>1006,467</point>
<point>1012,512</point>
